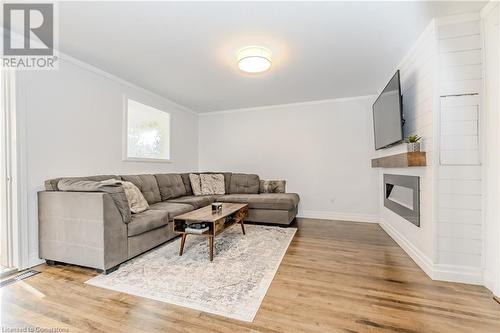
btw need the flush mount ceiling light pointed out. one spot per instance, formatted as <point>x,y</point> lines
<point>254,59</point>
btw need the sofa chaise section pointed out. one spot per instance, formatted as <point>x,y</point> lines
<point>272,208</point>
<point>274,201</point>
<point>269,208</point>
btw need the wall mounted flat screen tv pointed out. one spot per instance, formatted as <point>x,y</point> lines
<point>388,115</point>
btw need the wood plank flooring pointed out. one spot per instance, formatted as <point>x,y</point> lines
<point>335,277</point>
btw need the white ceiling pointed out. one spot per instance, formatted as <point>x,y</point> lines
<point>187,51</point>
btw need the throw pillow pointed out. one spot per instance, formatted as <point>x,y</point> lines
<point>212,183</point>
<point>195,183</point>
<point>112,187</point>
<point>272,186</point>
<point>136,200</point>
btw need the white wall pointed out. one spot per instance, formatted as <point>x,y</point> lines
<point>72,122</point>
<point>322,149</point>
<point>491,259</point>
<point>418,85</point>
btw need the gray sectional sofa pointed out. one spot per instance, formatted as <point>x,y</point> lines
<point>88,229</point>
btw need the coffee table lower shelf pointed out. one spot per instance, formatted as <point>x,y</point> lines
<point>230,214</point>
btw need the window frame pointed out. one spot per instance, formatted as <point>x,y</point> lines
<point>125,156</point>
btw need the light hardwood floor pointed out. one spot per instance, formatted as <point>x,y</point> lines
<point>335,277</point>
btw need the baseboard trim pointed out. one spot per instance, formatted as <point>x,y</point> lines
<point>34,260</point>
<point>489,282</point>
<point>455,273</point>
<point>312,214</point>
<point>440,272</point>
<point>418,256</point>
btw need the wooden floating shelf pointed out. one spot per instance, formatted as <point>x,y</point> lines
<point>404,160</point>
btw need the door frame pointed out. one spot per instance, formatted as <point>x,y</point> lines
<point>9,185</point>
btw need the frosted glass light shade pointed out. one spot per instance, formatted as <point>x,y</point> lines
<point>254,59</point>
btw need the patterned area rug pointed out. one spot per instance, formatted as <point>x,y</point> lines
<point>233,285</point>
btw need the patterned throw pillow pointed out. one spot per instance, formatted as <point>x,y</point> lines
<point>195,183</point>
<point>212,183</point>
<point>272,186</point>
<point>136,201</point>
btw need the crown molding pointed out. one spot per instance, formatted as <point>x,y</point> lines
<point>282,106</point>
<point>488,8</point>
<point>91,68</point>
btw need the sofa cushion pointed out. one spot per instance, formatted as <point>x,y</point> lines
<point>147,221</point>
<point>187,183</point>
<point>212,183</point>
<point>170,185</point>
<point>278,201</point>
<point>173,209</point>
<point>244,183</point>
<point>148,186</point>
<point>197,201</point>
<point>51,184</point>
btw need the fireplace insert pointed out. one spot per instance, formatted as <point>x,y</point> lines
<point>402,196</point>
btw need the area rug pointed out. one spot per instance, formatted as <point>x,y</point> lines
<point>233,285</point>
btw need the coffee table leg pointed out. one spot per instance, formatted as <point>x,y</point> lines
<point>211,244</point>
<point>183,240</point>
<point>242,226</point>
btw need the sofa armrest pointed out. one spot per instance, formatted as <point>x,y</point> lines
<point>81,228</point>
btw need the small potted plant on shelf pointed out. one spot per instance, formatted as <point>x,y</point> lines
<point>413,143</point>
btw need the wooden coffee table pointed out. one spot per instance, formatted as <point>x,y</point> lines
<point>231,213</point>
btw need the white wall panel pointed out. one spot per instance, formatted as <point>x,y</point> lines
<point>472,57</point>
<point>461,43</point>
<point>459,258</point>
<point>470,187</point>
<point>457,230</point>
<point>460,201</point>
<point>459,29</point>
<point>463,216</point>
<point>459,182</point>
<point>466,72</point>
<point>460,245</point>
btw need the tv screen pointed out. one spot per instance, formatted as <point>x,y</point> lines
<point>388,115</point>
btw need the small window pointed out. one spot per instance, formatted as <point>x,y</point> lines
<point>147,133</point>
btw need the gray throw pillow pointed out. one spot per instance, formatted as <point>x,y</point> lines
<point>136,201</point>
<point>114,189</point>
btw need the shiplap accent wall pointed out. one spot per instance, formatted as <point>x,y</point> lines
<point>460,83</point>
<point>441,79</point>
<point>459,220</point>
<point>490,33</point>
<point>419,86</point>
